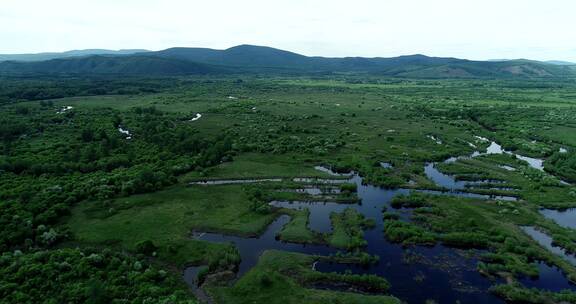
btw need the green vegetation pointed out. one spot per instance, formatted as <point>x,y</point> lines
<point>252,59</point>
<point>524,182</point>
<point>517,294</point>
<point>297,231</point>
<point>167,217</point>
<point>85,276</point>
<point>348,229</point>
<point>73,186</point>
<point>563,164</point>
<point>283,277</point>
<point>405,233</point>
<point>466,223</point>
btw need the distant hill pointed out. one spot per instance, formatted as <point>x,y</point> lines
<point>239,56</point>
<point>251,56</point>
<point>559,62</point>
<point>99,64</point>
<point>259,59</point>
<point>73,53</point>
<point>554,62</point>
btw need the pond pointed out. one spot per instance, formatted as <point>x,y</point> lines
<point>331,172</point>
<point>234,181</point>
<point>441,179</point>
<point>64,109</point>
<point>424,273</point>
<point>451,183</point>
<point>319,218</point>
<point>565,218</point>
<point>314,191</point>
<point>535,163</point>
<point>251,248</point>
<point>417,274</point>
<point>495,148</point>
<point>456,187</point>
<point>546,241</point>
<point>125,132</point>
<point>318,180</point>
<point>386,165</point>
<point>550,278</point>
<point>196,117</point>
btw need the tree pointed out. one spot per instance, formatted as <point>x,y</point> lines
<point>146,247</point>
<point>87,135</point>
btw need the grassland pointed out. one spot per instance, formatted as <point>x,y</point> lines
<point>167,218</point>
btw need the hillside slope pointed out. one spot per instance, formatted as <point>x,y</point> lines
<point>67,54</point>
<point>258,59</point>
<point>125,65</point>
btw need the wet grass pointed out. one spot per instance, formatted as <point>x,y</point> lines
<point>283,277</point>
<point>534,186</point>
<point>251,165</point>
<point>297,230</point>
<point>348,229</point>
<point>493,226</point>
<point>167,218</point>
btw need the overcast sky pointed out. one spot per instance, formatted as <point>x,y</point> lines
<point>474,29</point>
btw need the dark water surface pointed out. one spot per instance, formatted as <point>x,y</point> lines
<point>416,274</point>
<point>550,278</point>
<point>546,241</point>
<point>565,218</point>
<point>457,188</point>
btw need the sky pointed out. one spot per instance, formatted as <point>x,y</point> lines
<point>472,29</point>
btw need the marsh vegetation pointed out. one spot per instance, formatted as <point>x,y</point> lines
<point>278,194</point>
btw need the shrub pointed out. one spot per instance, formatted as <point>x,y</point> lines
<point>146,247</point>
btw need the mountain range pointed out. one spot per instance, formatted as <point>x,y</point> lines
<point>262,60</point>
<point>67,54</point>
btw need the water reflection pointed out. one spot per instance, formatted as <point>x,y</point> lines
<point>416,275</point>
<point>565,218</point>
<point>546,241</point>
<point>449,182</point>
<point>550,278</point>
<point>234,181</point>
<point>433,276</point>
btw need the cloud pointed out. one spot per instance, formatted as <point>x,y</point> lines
<point>471,29</point>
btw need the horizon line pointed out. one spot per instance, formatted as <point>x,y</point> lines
<point>2,53</point>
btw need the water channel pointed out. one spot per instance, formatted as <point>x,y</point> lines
<point>416,274</point>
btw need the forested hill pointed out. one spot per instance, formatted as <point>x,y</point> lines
<point>67,54</point>
<point>118,65</point>
<point>258,59</point>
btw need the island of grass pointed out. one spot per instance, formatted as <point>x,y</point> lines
<point>493,226</point>
<point>281,277</point>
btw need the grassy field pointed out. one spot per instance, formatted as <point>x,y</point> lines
<point>259,165</point>
<point>167,218</point>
